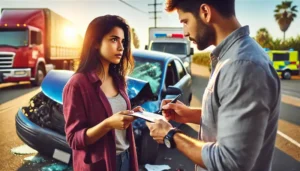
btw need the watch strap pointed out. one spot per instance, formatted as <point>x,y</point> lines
<point>170,136</point>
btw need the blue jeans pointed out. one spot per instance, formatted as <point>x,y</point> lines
<point>123,161</point>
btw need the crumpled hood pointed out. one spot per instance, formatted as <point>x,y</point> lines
<point>139,91</point>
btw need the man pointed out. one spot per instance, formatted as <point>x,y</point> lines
<point>240,106</point>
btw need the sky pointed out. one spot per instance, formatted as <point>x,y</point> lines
<point>255,13</point>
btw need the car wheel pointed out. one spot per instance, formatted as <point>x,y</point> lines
<point>148,150</point>
<point>286,75</point>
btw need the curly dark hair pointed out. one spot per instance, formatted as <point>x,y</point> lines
<point>90,57</point>
<point>224,7</point>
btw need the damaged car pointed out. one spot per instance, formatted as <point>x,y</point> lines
<point>156,76</point>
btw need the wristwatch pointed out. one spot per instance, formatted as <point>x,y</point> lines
<point>168,139</point>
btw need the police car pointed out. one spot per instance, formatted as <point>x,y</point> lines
<point>285,62</point>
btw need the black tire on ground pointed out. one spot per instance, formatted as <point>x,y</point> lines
<point>39,76</point>
<point>286,75</point>
<point>148,150</point>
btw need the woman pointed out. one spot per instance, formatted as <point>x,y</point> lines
<point>96,106</point>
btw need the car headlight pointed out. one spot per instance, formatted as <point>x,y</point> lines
<point>186,64</point>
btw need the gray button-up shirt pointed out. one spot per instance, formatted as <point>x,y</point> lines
<point>240,107</point>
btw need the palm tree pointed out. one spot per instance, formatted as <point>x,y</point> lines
<point>263,37</point>
<point>284,15</point>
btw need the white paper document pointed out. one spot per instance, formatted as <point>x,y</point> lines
<point>148,116</point>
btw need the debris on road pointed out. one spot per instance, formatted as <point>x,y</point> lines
<point>35,159</point>
<point>22,150</point>
<point>150,167</point>
<point>57,167</point>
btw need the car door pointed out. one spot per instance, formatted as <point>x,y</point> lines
<point>184,82</point>
<point>177,76</point>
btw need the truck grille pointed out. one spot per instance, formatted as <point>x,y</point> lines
<point>6,59</point>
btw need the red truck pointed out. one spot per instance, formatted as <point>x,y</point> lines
<point>34,41</point>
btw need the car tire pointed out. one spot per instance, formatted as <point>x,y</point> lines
<point>148,150</point>
<point>286,75</point>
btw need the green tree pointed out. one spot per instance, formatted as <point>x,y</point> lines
<point>284,15</point>
<point>135,39</point>
<point>263,38</point>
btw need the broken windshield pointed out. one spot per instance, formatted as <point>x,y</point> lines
<point>148,70</point>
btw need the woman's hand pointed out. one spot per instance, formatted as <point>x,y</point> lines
<point>138,109</point>
<point>120,120</point>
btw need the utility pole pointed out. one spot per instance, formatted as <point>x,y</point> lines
<point>155,12</point>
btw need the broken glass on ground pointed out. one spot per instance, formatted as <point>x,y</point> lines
<point>22,150</point>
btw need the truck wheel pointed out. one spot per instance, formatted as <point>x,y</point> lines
<point>39,76</point>
<point>71,65</point>
<point>148,148</point>
<point>286,75</point>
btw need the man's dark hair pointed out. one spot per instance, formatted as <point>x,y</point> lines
<point>224,7</point>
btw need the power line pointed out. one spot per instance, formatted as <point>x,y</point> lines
<point>155,12</point>
<point>133,7</point>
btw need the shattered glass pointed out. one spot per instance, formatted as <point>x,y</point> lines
<point>148,71</point>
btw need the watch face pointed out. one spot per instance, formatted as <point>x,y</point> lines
<point>167,143</point>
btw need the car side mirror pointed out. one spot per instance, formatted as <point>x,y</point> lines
<point>171,90</point>
<point>192,51</point>
<point>146,47</point>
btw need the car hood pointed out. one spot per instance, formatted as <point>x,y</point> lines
<point>139,91</point>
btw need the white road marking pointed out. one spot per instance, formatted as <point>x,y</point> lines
<point>289,138</point>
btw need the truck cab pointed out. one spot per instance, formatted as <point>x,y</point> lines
<point>28,42</point>
<point>171,40</point>
<point>20,48</point>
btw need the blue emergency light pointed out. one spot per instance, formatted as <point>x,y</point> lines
<point>158,35</point>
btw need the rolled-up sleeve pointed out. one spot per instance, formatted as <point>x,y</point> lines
<point>245,102</point>
<point>75,117</point>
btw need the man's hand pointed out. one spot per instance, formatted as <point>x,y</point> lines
<point>159,130</point>
<point>178,111</point>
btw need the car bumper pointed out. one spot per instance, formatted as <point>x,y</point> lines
<point>41,139</point>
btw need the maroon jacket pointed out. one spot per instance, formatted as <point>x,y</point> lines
<point>84,106</point>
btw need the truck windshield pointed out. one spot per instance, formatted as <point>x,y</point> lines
<point>148,70</point>
<point>14,38</point>
<point>173,48</point>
